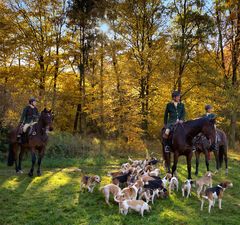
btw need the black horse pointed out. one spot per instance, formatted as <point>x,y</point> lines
<point>182,139</point>
<point>203,146</point>
<point>36,143</point>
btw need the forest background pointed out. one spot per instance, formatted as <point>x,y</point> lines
<point>107,68</point>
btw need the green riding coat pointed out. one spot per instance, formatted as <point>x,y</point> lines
<point>29,115</point>
<point>210,115</point>
<point>172,113</point>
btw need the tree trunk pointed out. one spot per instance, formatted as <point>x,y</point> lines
<point>233,129</point>
<point>56,69</point>
<point>42,78</point>
<point>101,98</point>
<point>76,120</point>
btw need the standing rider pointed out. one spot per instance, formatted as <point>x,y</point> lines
<point>29,116</point>
<point>174,113</point>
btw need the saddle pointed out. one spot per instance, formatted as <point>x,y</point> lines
<point>172,129</point>
<point>201,142</point>
<point>30,131</point>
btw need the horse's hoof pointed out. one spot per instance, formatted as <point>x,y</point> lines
<point>19,171</point>
<point>30,174</point>
<point>39,173</point>
<point>226,172</point>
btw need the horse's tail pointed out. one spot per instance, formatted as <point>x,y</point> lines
<point>10,155</point>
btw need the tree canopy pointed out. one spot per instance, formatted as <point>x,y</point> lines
<point>107,68</point>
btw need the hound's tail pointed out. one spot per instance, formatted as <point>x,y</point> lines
<point>204,196</point>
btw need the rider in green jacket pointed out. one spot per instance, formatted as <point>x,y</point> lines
<point>29,117</point>
<point>210,115</point>
<point>174,113</point>
<point>209,112</point>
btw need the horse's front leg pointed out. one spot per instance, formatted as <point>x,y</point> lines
<point>40,156</point>
<point>206,159</point>
<point>175,162</point>
<point>197,154</point>
<point>15,156</point>
<point>20,160</point>
<point>168,161</point>
<point>30,174</point>
<point>189,166</point>
<point>217,160</point>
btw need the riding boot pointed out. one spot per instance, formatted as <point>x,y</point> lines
<point>166,145</point>
<point>19,139</point>
<point>24,138</point>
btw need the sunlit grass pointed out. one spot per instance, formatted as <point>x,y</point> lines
<point>55,198</point>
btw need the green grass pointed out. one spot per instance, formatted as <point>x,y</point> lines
<point>54,198</point>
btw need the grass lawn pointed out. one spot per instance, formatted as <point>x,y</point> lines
<point>54,198</point>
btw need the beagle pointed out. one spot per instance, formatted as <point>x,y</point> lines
<point>211,194</point>
<point>131,192</point>
<point>136,205</point>
<point>155,173</point>
<point>89,182</point>
<point>173,184</point>
<point>186,188</point>
<point>166,180</point>
<point>206,180</point>
<point>110,189</point>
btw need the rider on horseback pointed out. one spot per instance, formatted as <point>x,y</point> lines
<point>29,117</point>
<point>209,112</point>
<point>201,138</point>
<point>174,113</point>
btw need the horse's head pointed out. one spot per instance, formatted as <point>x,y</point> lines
<point>47,119</point>
<point>209,130</point>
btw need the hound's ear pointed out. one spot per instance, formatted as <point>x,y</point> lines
<point>50,110</point>
<point>222,185</point>
<point>45,110</point>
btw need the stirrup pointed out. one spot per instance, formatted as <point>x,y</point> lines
<point>194,149</point>
<point>34,133</point>
<point>167,149</point>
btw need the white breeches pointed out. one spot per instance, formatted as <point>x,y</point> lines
<point>27,125</point>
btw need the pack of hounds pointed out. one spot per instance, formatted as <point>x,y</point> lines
<point>138,183</point>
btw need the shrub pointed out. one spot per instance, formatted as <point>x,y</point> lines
<point>3,142</point>
<point>65,144</point>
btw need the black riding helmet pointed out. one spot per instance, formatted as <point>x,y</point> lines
<point>175,94</point>
<point>207,107</point>
<point>31,100</point>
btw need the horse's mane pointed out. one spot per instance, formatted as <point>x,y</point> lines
<point>196,121</point>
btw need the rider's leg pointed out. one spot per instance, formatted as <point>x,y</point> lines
<point>19,134</point>
<point>166,140</point>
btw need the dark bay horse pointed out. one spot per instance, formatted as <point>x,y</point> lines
<point>36,143</point>
<point>203,146</point>
<point>182,138</point>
